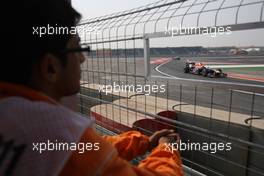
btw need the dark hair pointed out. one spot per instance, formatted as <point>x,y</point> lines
<point>26,48</point>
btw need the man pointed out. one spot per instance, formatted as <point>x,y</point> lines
<point>36,131</point>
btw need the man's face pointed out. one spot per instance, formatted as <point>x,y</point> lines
<point>71,73</point>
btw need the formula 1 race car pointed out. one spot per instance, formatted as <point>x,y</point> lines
<point>176,58</point>
<point>213,73</point>
<point>194,68</point>
<point>201,69</point>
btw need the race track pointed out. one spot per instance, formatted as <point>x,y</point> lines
<point>174,68</point>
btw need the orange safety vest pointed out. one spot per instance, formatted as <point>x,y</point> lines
<point>28,116</point>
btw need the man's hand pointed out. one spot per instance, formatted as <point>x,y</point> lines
<point>162,136</point>
<point>171,138</point>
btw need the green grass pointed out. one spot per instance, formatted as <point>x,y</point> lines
<point>244,70</point>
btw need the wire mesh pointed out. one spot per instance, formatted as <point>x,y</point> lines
<point>116,92</point>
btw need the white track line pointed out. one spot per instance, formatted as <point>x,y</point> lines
<point>251,93</point>
<point>157,69</point>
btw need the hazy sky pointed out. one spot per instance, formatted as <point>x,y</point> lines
<point>90,9</point>
<point>95,8</point>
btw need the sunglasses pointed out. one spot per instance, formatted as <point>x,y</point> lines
<point>86,49</point>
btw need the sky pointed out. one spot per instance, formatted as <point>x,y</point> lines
<point>95,8</point>
<point>91,9</point>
